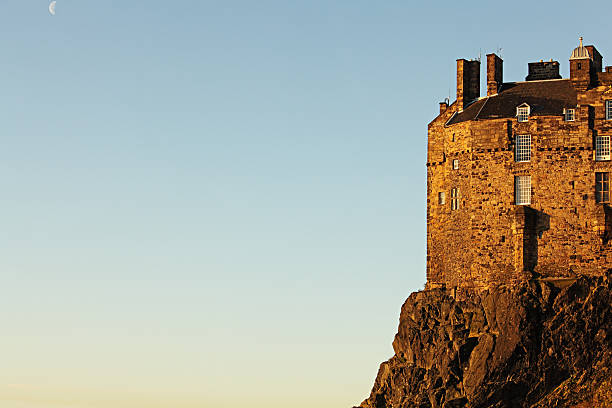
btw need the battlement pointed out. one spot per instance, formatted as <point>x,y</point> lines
<point>518,181</point>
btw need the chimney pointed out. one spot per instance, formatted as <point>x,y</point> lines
<point>495,74</point>
<point>538,71</point>
<point>597,58</point>
<point>468,82</point>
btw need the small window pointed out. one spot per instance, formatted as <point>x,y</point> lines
<point>522,190</point>
<point>579,65</point>
<point>455,199</point>
<point>522,148</point>
<point>522,113</point>
<point>570,115</point>
<point>602,148</point>
<point>602,187</point>
<point>455,164</point>
<point>453,138</point>
<point>608,110</point>
<point>441,198</point>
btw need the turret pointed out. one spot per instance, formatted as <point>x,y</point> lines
<point>582,67</point>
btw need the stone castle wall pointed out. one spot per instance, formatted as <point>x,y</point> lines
<point>489,240</point>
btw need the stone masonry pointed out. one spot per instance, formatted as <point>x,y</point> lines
<point>477,235</point>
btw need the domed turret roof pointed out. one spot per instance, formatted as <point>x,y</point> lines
<point>580,52</point>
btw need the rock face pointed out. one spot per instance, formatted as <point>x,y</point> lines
<point>539,344</point>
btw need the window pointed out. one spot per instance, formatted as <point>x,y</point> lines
<point>455,164</point>
<point>455,199</point>
<point>602,187</point>
<point>608,110</point>
<point>570,115</point>
<point>522,113</point>
<point>602,148</point>
<point>441,198</point>
<point>453,139</point>
<point>522,190</point>
<point>522,148</point>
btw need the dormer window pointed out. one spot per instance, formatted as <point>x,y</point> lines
<point>522,113</point>
<point>569,114</point>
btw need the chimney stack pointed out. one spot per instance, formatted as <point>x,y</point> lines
<point>538,71</point>
<point>468,82</point>
<point>597,58</point>
<point>495,74</point>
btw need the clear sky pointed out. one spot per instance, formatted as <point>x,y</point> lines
<point>222,203</point>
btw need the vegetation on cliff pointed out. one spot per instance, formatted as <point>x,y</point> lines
<point>540,344</point>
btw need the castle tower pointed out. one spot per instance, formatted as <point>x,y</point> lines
<point>581,67</point>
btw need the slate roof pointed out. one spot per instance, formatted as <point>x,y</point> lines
<point>546,98</point>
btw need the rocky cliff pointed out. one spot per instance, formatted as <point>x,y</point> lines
<point>537,344</point>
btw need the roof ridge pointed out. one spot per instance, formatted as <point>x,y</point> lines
<point>538,80</point>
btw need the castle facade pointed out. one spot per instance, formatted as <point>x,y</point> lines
<point>518,181</point>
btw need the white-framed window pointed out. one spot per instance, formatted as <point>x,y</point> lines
<point>441,198</point>
<point>602,187</point>
<point>570,114</point>
<point>522,190</point>
<point>522,148</point>
<point>608,110</point>
<point>522,113</point>
<point>455,164</point>
<point>454,199</point>
<point>602,148</point>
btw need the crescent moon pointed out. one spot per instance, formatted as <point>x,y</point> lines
<point>52,7</point>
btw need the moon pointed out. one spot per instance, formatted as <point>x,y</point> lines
<point>52,7</point>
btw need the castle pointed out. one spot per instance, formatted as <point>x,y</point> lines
<point>518,181</point>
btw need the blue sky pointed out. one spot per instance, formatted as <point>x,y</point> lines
<point>209,204</point>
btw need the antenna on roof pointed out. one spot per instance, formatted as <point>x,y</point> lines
<point>499,52</point>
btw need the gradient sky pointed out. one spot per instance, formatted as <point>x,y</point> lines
<point>222,203</point>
